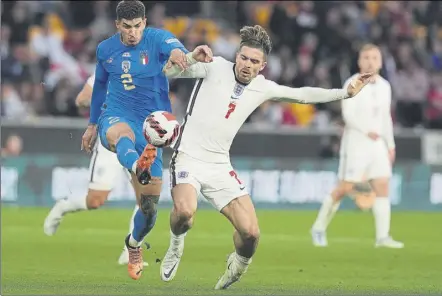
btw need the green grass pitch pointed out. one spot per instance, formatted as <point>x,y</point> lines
<point>82,257</point>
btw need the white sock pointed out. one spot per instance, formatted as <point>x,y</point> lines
<point>133,243</point>
<point>382,215</point>
<point>242,260</point>
<point>326,213</point>
<point>131,224</point>
<point>176,239</point>
<point>74,204</point>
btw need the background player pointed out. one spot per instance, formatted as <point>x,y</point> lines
<point>104,169</point>
<point>367,151</point>
<point>223,98</point>
<point>126,90</point>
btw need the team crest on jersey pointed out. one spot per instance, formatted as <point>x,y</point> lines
<point>125,65</point>
<point>183,175</point>
<point>238,90</point>
<point>144,58</point>
<point>110,60</point>
<point>126,55</point>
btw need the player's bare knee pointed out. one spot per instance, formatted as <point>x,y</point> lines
<point>118,131</point>
<point>184,213</point>
<point>96,199</point>
<point>250,233</point>
<point>342,189</point>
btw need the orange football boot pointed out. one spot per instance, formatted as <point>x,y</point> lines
<point>144,163</point>
<point>136,263</point>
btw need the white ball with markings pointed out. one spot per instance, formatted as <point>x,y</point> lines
<point>161,128</point>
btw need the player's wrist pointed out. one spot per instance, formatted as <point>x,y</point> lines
<point>190,59</point>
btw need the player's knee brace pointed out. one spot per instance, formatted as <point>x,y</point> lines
<point>148,204</point>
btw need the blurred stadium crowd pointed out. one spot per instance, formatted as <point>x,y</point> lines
<point>48,51</point>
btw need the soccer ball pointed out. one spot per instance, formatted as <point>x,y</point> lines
<point>161,128</point>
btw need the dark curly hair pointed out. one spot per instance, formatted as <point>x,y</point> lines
<point>130,10</point>
<point>256,37</point>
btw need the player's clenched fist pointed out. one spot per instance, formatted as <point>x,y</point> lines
<point>203,54</point>
<point>358,83</point>
<point>178,57</point>
<point>89,138</point>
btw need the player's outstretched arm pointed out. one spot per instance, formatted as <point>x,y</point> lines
<point>315,95</point>
<point>83,99</point>
<point>197,64</point>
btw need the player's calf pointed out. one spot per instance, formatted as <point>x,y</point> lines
<point>93,200</point>
<point>144,221</point>
<point>382,214</point>
<point>96,199</point>
<point>181,220</point>
<point>329,206</point>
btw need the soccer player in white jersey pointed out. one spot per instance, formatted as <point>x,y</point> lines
<point>367,151</point>
<point>104,170</point>
<point>224,96</point>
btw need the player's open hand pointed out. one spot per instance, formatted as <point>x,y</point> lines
<point>178,57</point>
<point>89,138</point>
<point>203,54</point>
<point>358,83</point>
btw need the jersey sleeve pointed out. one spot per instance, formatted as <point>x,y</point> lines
<point>100,87</point>
<point>349,113</point>
<point>168,42</point>
<point>304,95</point>
<point>388,130</point>
<point>195,70</point>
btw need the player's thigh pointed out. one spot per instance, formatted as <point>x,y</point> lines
<point>185,185</point>
<point>112,128</point>
<point>241,213</point>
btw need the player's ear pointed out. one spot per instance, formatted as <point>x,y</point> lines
<point>117,24</point>
<point>263,66</point>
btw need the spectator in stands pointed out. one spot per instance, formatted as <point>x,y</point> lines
<point>13,147</point>
<point>434,109</point>
<point>410,88</point>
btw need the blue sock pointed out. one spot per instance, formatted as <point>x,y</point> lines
<point>126,153</point>
<point>142,225</point>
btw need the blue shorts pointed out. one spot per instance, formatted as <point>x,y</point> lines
<point>107,119</point>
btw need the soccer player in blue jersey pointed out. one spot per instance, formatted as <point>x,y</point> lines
<point>126,90</point>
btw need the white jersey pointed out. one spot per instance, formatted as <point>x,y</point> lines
<point>220,104</point>
<point>369,111</point>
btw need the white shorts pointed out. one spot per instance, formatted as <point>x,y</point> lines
<point>355,166</point>
<point>105,169</point>
<point>218,182</point>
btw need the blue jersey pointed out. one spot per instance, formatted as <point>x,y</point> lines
<point>129,80</point>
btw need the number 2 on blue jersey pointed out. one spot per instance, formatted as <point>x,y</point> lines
<point>127,81</point>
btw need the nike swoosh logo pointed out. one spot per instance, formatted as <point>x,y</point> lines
<point>167,275</point>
